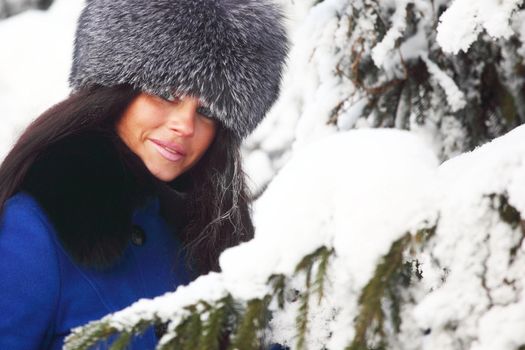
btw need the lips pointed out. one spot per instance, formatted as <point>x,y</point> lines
<point>169,150</point>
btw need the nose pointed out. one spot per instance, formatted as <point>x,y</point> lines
<point>182,117</point>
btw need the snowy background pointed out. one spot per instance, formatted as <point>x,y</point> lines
<point>428,84</point>
<point>35,59</point>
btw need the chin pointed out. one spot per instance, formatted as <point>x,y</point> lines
<point>165,177</point>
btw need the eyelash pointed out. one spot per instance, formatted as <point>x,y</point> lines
<point>205,112</point>
<point>170,98</point>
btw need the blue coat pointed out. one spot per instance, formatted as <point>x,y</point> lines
<point>45,293</point>
<point>84,236</point>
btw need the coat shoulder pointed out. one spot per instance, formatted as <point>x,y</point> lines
<point>30,272</point>
<point>25,228</point>
<point>22,211</point>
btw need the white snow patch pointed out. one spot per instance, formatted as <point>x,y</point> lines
<point>462,22</point>
<point>34,65</point>
<point>455,97</point>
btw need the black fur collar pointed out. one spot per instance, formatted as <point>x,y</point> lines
<point>89,186</point>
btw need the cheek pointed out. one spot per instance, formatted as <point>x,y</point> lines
<point>140,125</point>
<point>209,132</point>
<point>130,132</point>
<point>145,123</point>
<point>138,122</point>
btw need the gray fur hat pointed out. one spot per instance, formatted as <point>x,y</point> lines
<point>230,53</point>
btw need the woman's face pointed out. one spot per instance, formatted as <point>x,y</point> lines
<point>169,135</point>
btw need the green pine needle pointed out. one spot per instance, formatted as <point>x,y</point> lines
<point>122,341</point>
<point>279,286</point>
<point>321,275</point>
<point>371,316</point>
<point>252,322</point>
<point>214,327</point>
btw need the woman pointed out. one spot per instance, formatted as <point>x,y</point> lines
<point>133,184</point>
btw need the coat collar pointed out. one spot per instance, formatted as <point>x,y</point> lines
<point>90,185</point>
<point>150,208</point>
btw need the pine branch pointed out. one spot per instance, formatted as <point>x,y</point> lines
<point>302,316</point>
<point>205,323</point>
<point>215,325</point>
<point>306,266</point>
<point>321,275</point>
<point>187,332</point>
<point>371,317</point>
<point>252,322</point>
<point>278,282</point>
<point>122,341</point>
<point>87,336</point>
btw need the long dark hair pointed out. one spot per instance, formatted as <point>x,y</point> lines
<point>216,212</point>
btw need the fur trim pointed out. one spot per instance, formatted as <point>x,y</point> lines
<point>89,186</point>
<point>230,53</point>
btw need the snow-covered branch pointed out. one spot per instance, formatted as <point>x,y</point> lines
<point>465,19</point>
<point>417,248</point>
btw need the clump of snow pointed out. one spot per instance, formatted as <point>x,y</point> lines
<point>455,97</point>
<point>462,22</point>
<point>518,25</point>
<point>341,183</point>
<point>477,305</point>
<point>258,165</point>
<point>381,51</point>
<point>352,112</point>
<point>363,192</point>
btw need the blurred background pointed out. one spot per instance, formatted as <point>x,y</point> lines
<point>36,39</point>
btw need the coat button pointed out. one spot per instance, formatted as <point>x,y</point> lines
<point>138,237</point>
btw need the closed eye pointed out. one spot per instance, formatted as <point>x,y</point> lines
<point>170,97</point>
<point>204,111</point>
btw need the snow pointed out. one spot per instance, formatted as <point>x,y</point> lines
<point>352,112</point>
<point>382,50</point>
<point>323,201</point>
<point>331,193</point>
<point>319,95</point>
<point>462,22</point>
<point>455,97</point>
<point>34,65</point>
<point>415,46</point>
<point>258,165</point>
<point>475,245</point>
<point>309,89</point>
<point>332,217</point>
<point>470,241</point>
